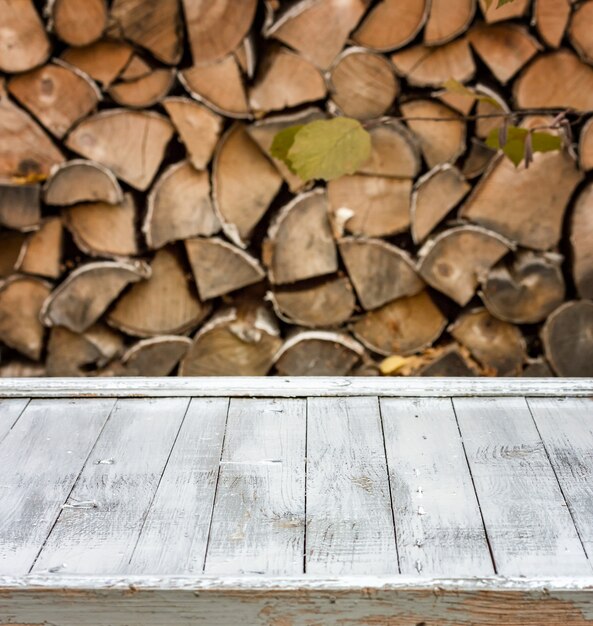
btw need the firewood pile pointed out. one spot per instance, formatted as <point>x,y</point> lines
<point>146,230</point>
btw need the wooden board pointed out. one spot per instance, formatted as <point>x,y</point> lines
<point>10,411</point>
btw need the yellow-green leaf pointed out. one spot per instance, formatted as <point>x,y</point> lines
<point>282,143</point>
<point>501,3</point>
<point>454,86</point>
<point>514,148</point>
<point>545,142</point>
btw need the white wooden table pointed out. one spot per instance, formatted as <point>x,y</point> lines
<point>293,502</point>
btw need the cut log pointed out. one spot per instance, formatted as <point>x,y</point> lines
<point>441,140</point>
<point>81,180</point>
<point>285,80</point>
<point>394,151</point>
<point>300,243</point>
<point>234,343</point>
<point>101,229</point>
<point>498,346</point>
<point>219,267</point>
<point>136,68</point>
<point>244,184</point>
<point>10,251</point>
<point>586,146</point>
<point>157,356</point>
<point>327,304</point>
<point>402,327</point>
<point>532,207</point>
<point>392,24</point>
<point>22,368</point>
<point>318,353</point>
<point>21,299</point>
<point>451,360</point>
<point>198,128</point>
<point>379,271</point>
<point>478,159</point>
<point>78,22</point>
<point>581,242</point>
<point>179,206</point>
<point>23,42</point>
<point>461,102</point>
<point>372,206</point>
<point>152,24</point>
<point>551,19</point>
<point>20,206</point>
<point>526,290</point>
<point>216,27</point>
<point>435,194</point>
<point>26,150</point>
<point>454,261</point>
<point>362,84</point>
<point>579,31</point>
<point>447,20</point>
<point>145,91</point>
<point>42,251</point>
<point>537,368</point>
<point>543,83</point>
<point>165,304</point>
<point>245,55</point>
<point>567,336</point>
<point>504,48</point>
<point>82,298</point>
<point>431,66</point>
<point>318,29</point>
<point>508,11</point>
<point>219,85</point>
<point>103,61</point>
<point>130,143</point>
<point>58,96</point>
<point>489,114</point>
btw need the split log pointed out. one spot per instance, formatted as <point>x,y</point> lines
<point>101,229</point>
<point>198,128</point>
<point>217,27</point>
<point>179,206</point>
<point>130,143</point>
<point>508,11</point>
<point>392,24</point>
<point>504,48</point>
<point>152,24</point>
<point>318,353</point>
<point>525,290</point>
<point>164,304</point>
<point>300,243</point>
<point>586,146</point>
<point>10,251</point>
<point>362,84</point>
<point>22,368</point>
<point>21,299</point>
<point>41,253</point>
<point>579,31</point>
<point>581,242</point>
<point>498,346</point>
<point>537,368</point>
<point>441,141</point>
<point>318,30</point>
<point>245,55</point>
<point>431,66</point>
<point>448,20</point>
<point>83,297</point>
<point>157,356</point>
<point>23,41</point>
<point>460,102</point>
<point>145,91</point>
<point>452,360</point>
<point>435,195</point>
<point>324,305</point>
<point>220,268</point>
<point>103,61</point>
<point>543,83</point>
<point>551,19</point>
<point>453,261</point>
<point>235,342</point>
<point>20,206</point>
<point>543,191</point>
<point>136,68</point>
<point>379,271</point>
<point>394,151</point>
<point>26,150</point>
<point>372,206</point>
<point>78,22</point>
<point>285,80</point>
<point>244,184</point>
<point>489,112</point>
<point>567,336</point>
<point>478,159</point>
<point>403,326</point>
<point>81,180</point>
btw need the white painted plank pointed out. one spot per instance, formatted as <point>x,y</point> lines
<point>174,536</point>
<point>118,482</point>
<point>438,524</point>
<point>566,428</point>
<point>259,511</point>
<point>40,459</point>
<point>10,411</point>
<point>349,517</point>
<point>529,527</point>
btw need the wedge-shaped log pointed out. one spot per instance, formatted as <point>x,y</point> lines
<point>579,31</point>
<point>581,242</point>
<point>145,91</point>
<point>586,146</point>
<point>20,206</point>
<point>78,22</point>
<point>551,19</point>
<point>11,244</point>
<point>449,360</point>
<point>103,60</point>
<point>493,13</point>
<point>448,19</point>
<point>41,253</point>
<point>157,356</point>
<point>395,151</point>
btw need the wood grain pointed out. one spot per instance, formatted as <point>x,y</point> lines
<point>10,411</point>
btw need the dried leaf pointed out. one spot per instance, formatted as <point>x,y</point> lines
<point>454,86</point>
<point>282,143</point>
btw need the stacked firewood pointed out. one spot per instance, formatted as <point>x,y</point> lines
<point>146,230</point>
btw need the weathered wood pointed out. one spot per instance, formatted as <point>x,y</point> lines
<point>586,146</point>
<point>157,356</point>
<point>10,411</point>
<point>20,206</point>
<point>11,244</point>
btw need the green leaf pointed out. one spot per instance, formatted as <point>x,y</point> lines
<point>514,148</point>
<point>454,86</point>
<point>329,149</point>
<point>282,143</point>
<point>501,3</point>
<point>545,142</point>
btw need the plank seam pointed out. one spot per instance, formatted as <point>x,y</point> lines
<point>18,417</point>
<point>306,467</point>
